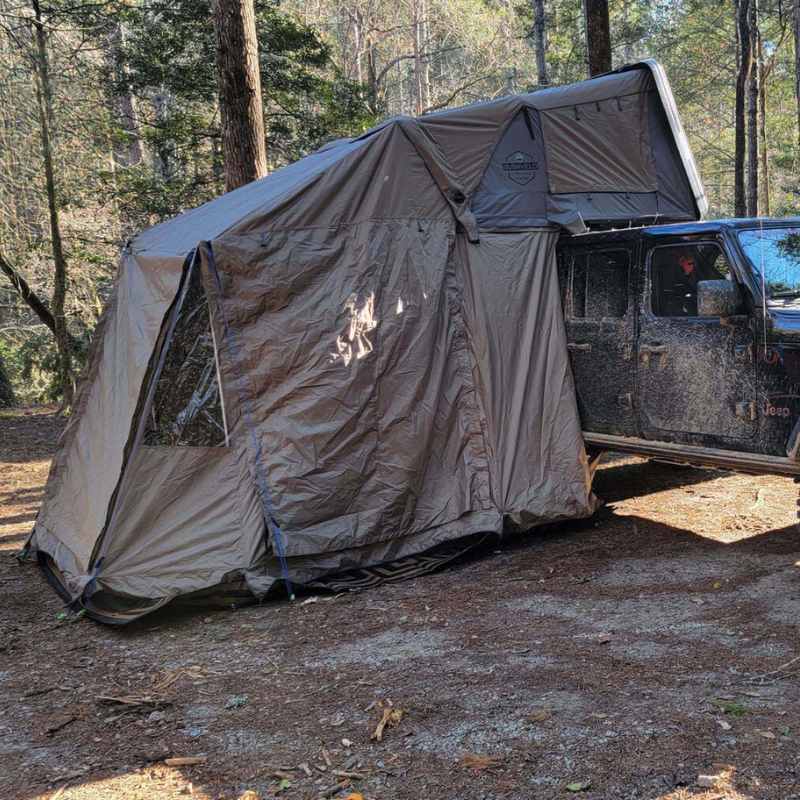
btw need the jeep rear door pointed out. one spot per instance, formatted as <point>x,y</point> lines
<point>600,316</point>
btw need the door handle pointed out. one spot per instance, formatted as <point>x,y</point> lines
<point>584,347</point>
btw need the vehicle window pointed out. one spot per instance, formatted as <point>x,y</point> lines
<point>774,254</point>
<point>600,285</point>
<point>675,271</point>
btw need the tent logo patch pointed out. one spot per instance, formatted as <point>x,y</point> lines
<point>520,167</point>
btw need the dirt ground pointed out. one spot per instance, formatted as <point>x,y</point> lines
<point>620,658</point>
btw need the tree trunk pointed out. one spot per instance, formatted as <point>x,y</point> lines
<point>763,172</point>
<point>426,66</point>
<point>27,294</point>
<point>358,44</point>
<point>44,99</point>
<point>797,70</point>
<point>598,36</point>
<point>164,156</point>
<point>239,80</point>
<point>374,99</point>
<point>627,53</point>
<point>7,398</point>
<point>128,151</point>
<point>742,80</point>
<point>540,42</point>
<point>752,114</point>
<point>416,22</point>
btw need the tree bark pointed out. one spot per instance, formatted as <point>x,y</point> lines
<point>540,42</point>
<point>374,94</point>
<point>426,66</point>
<point>30,297</point>
<point>742,80</point>
<point>752,114</point>
<point>239,80</point>
<point>127,152</point>
<point>598,36</point>
<point>7,398</point>
<point>797,70</point>
<point>763,172</point>
<point>44,99</point>
<point>416,22</point>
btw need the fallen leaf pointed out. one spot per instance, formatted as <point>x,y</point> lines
<point>767,734</point>
<point>391,716</point>
<point>355,796</point>
<point>540,715</point>
<point>726,726</point>
<point>185,761</point>
<point>250,795</point>
<point>578,786</point>
<point>284,784</point>
<point>480,763</point>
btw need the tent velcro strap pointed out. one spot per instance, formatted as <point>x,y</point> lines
<point>449,185</point>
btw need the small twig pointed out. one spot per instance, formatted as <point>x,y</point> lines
<point>775,674</point>
<point>340,773</point>
<point>133,701</point>
<point>38,692</point>
<point>60,725</point>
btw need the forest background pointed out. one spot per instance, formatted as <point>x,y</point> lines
<point>111,117</point>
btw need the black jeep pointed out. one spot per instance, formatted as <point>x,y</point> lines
<point>685,341</point>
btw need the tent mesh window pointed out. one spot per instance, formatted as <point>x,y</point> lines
<point>187,408</point>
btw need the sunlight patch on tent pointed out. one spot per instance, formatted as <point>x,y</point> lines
<point>362,320</point>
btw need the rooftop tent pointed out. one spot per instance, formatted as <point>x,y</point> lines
<point>355,359</point>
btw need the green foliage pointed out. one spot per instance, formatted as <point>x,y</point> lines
<point>31,364</point>
<point>329,69</point>
<point>732,708</point>
<point>30,359</point>
<point>167,61</point>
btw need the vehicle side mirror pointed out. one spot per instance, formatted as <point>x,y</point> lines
<point>718,298</point>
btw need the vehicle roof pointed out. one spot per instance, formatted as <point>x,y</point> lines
<point>684,228</point>
<point>718,224</point>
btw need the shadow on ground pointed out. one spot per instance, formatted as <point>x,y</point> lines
<point>628,654</point>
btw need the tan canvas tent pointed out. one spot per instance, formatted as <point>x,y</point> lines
<point>358,358</point>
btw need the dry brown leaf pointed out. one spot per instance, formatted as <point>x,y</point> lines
<point>480,763</point>
<point>539,715</point>
<point>391,716</point>
<point>185,761</point>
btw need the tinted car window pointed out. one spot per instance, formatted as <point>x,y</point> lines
<point>675,271</point>
<point>600,284</point>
